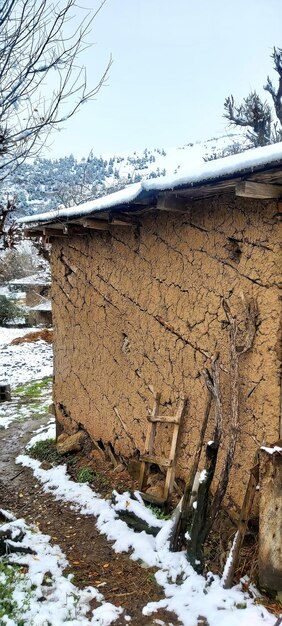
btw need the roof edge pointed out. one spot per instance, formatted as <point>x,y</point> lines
<point>234,166</point>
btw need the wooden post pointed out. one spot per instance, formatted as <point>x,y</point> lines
<point>270,516</point>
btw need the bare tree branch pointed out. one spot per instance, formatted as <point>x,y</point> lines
<point>276,95</point>
<point>257,116</point>
<point>39,48</point>
<point>253,114</point>
<point>36,44</point>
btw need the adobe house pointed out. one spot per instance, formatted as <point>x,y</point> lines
<point>138,280</point>
<point>36,287</point>
<point>41,314</point>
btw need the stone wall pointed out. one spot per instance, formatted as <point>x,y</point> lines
<point>141,307</point>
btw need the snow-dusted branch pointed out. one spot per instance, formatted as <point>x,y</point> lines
<point>252,113</point>
<point>276,94</point>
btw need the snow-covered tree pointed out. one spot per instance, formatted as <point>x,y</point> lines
<point>262,122</point>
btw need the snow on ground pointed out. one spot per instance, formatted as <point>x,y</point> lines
<point>21,364</point>
<point>24,362</point>
<point>43,433</point>
<point>186,593</point>
<point>22,407</point>
<point>44,595</point>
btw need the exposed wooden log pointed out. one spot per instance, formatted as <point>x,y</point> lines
<point>33,232</point>
<point>96,224</point>
<point>10,542</point>
<point>135,522</point>
<point>250,189</point>
<point>54,232</point>
<point>173,204</point>
<point>122,219</point>
<point>121,222</point>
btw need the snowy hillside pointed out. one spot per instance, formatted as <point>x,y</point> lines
<point>45,183</point>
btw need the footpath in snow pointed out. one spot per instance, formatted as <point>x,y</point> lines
<point>185,593</point>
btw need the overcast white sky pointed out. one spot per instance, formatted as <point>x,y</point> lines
<point>174,62</point>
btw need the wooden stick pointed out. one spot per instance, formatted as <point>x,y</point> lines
<point>234,393</point>
<point>197,535</point>
<point>235,351</point>
<point>177,537</point>
<point>232,561</point>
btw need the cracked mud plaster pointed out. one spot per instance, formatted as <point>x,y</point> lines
<point>135,309</point>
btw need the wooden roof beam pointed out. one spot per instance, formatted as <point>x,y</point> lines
<point>172,203</point>
<point>41,231</point>
<point>103,225</point>
<point>251,189</point>
<point>95,224</point>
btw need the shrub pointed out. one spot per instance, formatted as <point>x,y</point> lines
<point>9,310</point>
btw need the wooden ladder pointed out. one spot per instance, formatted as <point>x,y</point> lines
<point>148,458</point>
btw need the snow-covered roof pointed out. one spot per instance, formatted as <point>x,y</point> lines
<point>41,278</point>
<point>248,162</point>
<point>43,306</point>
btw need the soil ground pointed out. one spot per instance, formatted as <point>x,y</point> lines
<point>92,560</point>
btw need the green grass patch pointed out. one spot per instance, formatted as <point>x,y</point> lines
<point>158,512</point>
<point>34,389</point>
<point>10,578</point>
<point>85,475</point>
<point>46,451</point>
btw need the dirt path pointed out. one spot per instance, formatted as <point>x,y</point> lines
<point>91,558</point>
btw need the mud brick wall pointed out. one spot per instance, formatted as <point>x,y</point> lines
<point>137,308</point>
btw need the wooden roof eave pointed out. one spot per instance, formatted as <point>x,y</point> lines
<point>266,184</point>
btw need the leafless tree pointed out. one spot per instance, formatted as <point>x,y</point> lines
<point>42,83</point>
<point>37,49</point>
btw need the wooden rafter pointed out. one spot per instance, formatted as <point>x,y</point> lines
<point>251,189</point>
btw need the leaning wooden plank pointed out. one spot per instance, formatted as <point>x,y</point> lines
<point>251,189</point>
<point>137,523</point>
